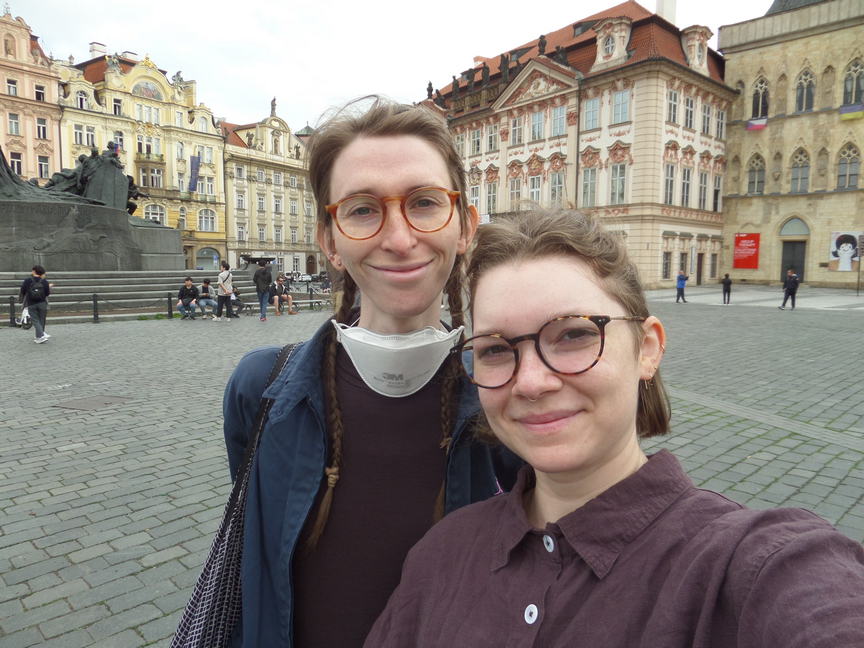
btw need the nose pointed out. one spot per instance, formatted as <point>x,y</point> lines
<point>533,378</point>
<point>396,235</point>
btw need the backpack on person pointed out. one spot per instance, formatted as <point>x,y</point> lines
<point>36,291</point>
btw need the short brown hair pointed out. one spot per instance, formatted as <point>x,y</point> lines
<point>537,234</point>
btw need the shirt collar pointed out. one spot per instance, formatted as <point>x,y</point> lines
<point>601,529</point>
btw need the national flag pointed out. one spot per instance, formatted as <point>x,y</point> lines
<point>757,124</point>
<point>195,165</point>
<point>854,111</point>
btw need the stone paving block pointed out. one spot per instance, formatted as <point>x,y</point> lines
<point>127,619</point>
<point>74,639</point>
<point>34,617</point>
<point>32,571</point>
<point>161,628</point>
<point>125,639</point>
<point>77,619</point>
<point>113,572</point>
<point>104,592</point>
<point>153,593</point>
<point>54,593</point>
<point>23,638</point>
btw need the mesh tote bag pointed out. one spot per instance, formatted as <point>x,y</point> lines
<point>215,606</point>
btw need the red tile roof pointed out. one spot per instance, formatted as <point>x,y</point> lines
<point>94,69</point>
<point>229,131</point>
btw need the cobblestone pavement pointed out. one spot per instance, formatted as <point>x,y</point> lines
<point>107,513</point>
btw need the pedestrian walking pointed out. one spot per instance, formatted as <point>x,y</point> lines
<point>790,288</point>
<point>727,288</point>
<point>680,282</point>
<point>224,292</point>
<point>262,280</point>
<point>33,295</point>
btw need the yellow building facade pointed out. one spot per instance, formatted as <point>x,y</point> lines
<point>30,129</point>
<point>169,144</point>
<point>796,137</point>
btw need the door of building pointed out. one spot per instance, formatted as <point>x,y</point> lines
<point>793,257</point>
<point>700,261</point>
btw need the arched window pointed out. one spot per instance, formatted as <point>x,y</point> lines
<point>848,167</point>
<point>206,220</point>
<point>202,124</point>
<point>609,46</point>
<point>804,91</point>
<point>853,84</point>
<point>795,227</point>
<point>756,175</point>
<point>207,259</point>
<point>81,100</point>
<point>760,98</point>
<point>180,152</point>
<point>118,140</point>
<point>800,171</point>
<point>9,46</point>
<point>275,143</point>
<point>181,219</point>
<point>155,213</point>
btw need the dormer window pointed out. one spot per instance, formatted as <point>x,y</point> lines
<point>609,46</point>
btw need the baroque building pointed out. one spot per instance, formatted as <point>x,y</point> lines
<point>620,114</point>
<point>270,209</point>
<point>30,130</point>
<point>794,198</point>
<point>169,143</point>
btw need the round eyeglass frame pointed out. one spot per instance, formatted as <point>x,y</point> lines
<point>403,198</point>
<point>599,320</point>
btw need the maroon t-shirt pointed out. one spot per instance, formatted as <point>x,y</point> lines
<point>392,470</point>
<point>653,562</point>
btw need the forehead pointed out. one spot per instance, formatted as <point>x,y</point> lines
<point>548,287</point>
<point>387,165</point>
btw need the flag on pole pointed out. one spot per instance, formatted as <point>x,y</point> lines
<point>757,124</point>
<point>195,165</point>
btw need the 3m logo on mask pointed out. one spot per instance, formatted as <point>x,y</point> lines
<point>391,377</point>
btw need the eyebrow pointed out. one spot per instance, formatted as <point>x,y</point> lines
<point>549,318</point>
<point>374,193</point>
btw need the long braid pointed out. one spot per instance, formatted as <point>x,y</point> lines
<point>450,381</point>
<point>333,414</point>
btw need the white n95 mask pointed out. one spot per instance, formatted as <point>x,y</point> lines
<point>396,364</point>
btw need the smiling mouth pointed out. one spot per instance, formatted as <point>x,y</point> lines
<point>402,270</point>
<point>546,422</point>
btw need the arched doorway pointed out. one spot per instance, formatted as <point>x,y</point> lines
<point>207,259</point>
<point>311,267</point>
<point>794,234</point>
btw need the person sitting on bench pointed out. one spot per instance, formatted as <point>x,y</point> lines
<point>279,295</point>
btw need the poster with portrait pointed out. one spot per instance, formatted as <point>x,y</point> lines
<point>843,253</point>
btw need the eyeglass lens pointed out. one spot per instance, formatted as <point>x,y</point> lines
<point>569,345</point>
<point>426,209</point>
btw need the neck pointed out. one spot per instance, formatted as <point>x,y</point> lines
<point>381,323</point>
<point>557,494</point>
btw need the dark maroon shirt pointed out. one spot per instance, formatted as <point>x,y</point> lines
<point>653,562</point>
<point>392,471</point>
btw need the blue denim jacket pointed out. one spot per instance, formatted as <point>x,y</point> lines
<point>288,469</point>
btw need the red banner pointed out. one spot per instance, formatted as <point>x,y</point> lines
<point>746,251</point>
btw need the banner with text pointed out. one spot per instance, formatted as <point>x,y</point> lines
<point>746,255</point>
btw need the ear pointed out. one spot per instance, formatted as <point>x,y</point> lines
<point>324,236</point>
<point>652,347</point>
<point>469,230</point>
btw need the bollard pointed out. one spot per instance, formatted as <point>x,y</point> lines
<point>311,297</point>
<point>11,311</point>
<point>95,308</point>
<point>170,307</point>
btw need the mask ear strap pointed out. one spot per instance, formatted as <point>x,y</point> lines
<point>354,323</point>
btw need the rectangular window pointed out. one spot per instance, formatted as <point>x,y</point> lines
<point>534,188</point>
<point>240,200</point>
<point>800,178</point>
<point>591,113</point>
<point>689,104</point>
<point>706,119</point>
<point>718,184</point>
<point>559,120</point>
<point>621,106</point>
<point>239,172</point>
<point>211,186</point>
<point>12,88</point>
<point>682,261</point>
<point>241,232</point>
<point>40,93</point>
<point>619,178</point>
<point>294,235</point>
<point>292,181</point>
<point>178,121</point>
<point>713,274</point>
<point>15,163</point>
<point>492,198</point>
<point>669,184</point>
<point>118,106</point>
<point>672,106</point>
<point>277,204</point>
<point>148,114</point>
<point>118,140</point>
<point>14,124</point>
<point>307,207</point>
<point>516,130</point>
<point>492,137</point>
<point>277,178</point>
<point>262,233</point>
<point>295,263</point>
<point>459,141</point>
<point>515,193</point>
<point>208,154</point>
<point>474,196</point>
<point>78,134</point>
<point>756,181</point>
<point>475,141</point>
<point>207,220</point>
<point>686,174</point>
<point>181,182</point>
<point>556,188</point>
<point>156,178</point>
<point>292,206</point>
<point>259,175</point>
<point>156,112</point>
<point>721,124</point>
<point>667,265</point>
<point>42,165</point>
<point>277,233</point>
<point>538,125</point>
<point>41,128</point>
<point>261,198</point>
<point>589,187</point>
<point>91,136</point>
<point>703,189</point>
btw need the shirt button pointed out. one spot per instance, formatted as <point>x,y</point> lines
<point>531,614</point>
<point>549,543</point>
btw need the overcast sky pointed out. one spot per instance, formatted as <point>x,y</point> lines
<point>314,55</point>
